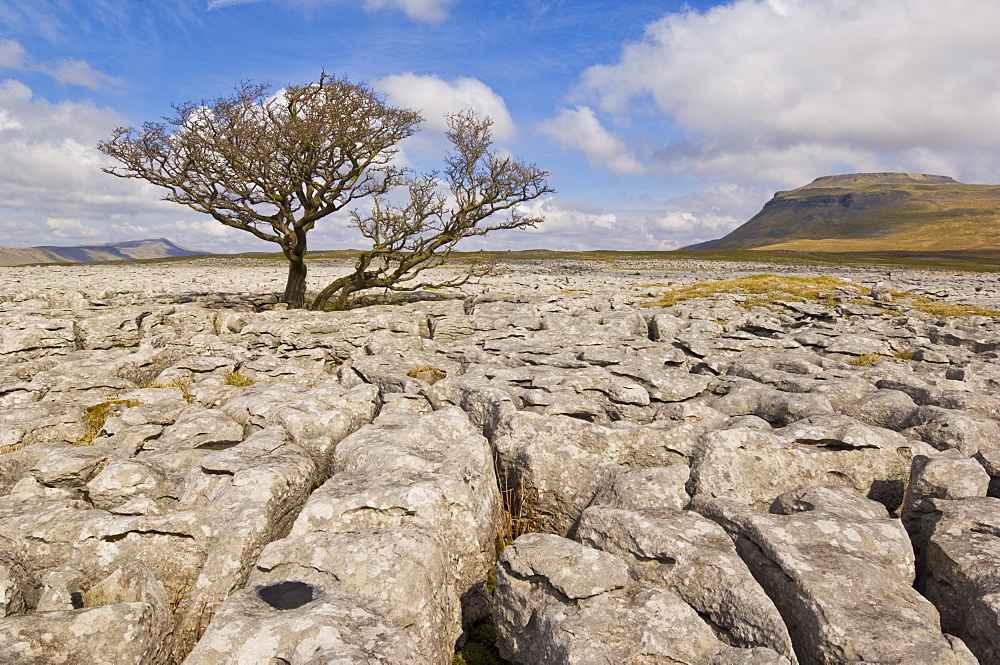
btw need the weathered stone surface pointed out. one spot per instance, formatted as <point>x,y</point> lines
<point>331,630</point>
<point>958,571</point>
<point>69,467</point>
<point>198,427</point>
<point>560,602</point>
<point>945,476</point>
<point>636,489</point>
<point>947,429</point>
<point>812,561</point>
<point>402,573</point>
<point>755,466</point>
<point>558,463</point>
<point>119,634</point>
<point>990,460</point>
<point>693,557</point>
<point>584,394</point>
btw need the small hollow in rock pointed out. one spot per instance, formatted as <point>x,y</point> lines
<point>286,595</point>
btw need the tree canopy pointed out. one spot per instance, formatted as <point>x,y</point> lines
<point>478,192</point>
<point>271,164</point>
<point>274,164</point>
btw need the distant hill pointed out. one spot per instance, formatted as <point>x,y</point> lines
<point>155,248</point>
<point>874,212</point>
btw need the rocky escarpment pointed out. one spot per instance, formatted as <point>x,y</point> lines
<point>866,212</point>
<point>189,473</point>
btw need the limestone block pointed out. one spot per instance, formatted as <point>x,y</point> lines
<point>812,563</point>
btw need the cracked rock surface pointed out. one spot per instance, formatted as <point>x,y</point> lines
<point>190,473</point>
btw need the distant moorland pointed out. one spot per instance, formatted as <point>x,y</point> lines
<point>154,248</point>
<point>874,212</point>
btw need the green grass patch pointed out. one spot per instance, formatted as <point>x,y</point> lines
<point>95,416</point>
<point>481,647</point>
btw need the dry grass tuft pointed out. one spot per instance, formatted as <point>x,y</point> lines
<point>940,309</point>
<point>867,359</point>
<point>520,514</point>
<point>183,386</point>
<point>778,287</point>
<point>237,379</point>
<point>98,414</point>
<point>822,289</point>
<point>427,373</point>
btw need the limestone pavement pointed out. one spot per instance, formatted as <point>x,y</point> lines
<point>190,473</point>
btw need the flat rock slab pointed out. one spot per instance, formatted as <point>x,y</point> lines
<point>813,560</point>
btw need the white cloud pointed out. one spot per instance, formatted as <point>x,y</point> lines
<point>70,71</point>
<point>11,54</point>
<point>63,227</point>
<point>574,225</point>
<point>206,227</point>
<point>421,10</point>
<point>434,98</point>
<point>51,160</point>
<point>52,186</point>
<point>786,90</point>
<point>579,129</point>
<point>129,230</point>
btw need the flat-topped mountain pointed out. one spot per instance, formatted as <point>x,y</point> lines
<point>154,248</point>
<point>862,212</point>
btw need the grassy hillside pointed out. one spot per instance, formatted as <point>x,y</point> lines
<point>874,212</point>
<point>155,248</point>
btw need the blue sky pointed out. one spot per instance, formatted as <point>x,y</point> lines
<point>662,123</point>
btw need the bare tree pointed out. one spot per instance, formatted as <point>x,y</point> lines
<point>271,165</point>
<point>407,239</point>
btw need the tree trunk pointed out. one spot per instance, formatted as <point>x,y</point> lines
<point>295,287</point>
<point>322,301</point>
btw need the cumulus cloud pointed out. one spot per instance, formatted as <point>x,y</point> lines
<point>205,227</point>
<point>420,10</point>
<point>70,71</point>
<point>51,159</point>
<point>52,172</point>
<point>785,90</point>
<point>11,54</point>
<point>579,129</point>
<point>576,225</point>
<point>63,227</point>
<point>434,98</point>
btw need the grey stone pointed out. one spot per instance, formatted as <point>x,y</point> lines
<point>693,557</point>
<point>119,634</point>
<point>754,466</point>
<point>655,487</point>
<point>811,563</point>
<point>559,602</point>
<point>70,467</point>
<point>958,571</point>
<point>946,429</point>
<point>557,463</point>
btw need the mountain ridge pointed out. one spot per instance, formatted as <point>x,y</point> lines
<point>149,248</point>
<point>861,212</point>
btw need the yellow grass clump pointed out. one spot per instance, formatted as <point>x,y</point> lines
<point>98,414</point>
<point>781,287</point>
